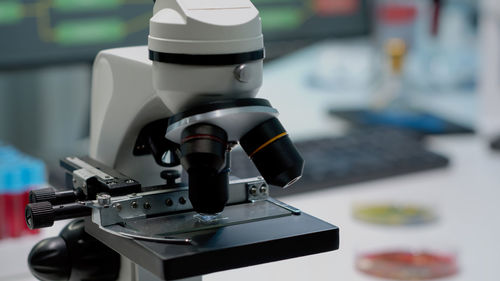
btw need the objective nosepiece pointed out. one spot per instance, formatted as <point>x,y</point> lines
<point>273,153</point>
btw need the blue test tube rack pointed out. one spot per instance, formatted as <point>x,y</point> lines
<point>19,174</point>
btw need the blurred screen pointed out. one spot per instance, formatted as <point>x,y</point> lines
<point>48,31</point>
<point>298,19</point>
<point>53,31</point>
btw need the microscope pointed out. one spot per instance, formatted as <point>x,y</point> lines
<point>177,107</point>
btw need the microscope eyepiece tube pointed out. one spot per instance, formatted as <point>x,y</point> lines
<point>273,153</point>
<point>203,156</point>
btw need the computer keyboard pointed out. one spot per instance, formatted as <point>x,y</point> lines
<point>362,155</point>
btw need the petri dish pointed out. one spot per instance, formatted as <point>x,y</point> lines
<point>407,264</point>
<point>394,214</point>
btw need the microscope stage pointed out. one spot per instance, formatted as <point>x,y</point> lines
<point>244,235</point>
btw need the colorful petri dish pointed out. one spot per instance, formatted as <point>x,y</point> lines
<point>394,214</point>
<point>408,265</point>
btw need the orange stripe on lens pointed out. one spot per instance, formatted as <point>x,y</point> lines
<point>267,143</point>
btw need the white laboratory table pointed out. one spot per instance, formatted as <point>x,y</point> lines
<point>466,195</point>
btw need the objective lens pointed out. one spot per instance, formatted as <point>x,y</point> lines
<point>203,149</point>
<point>273,153</point>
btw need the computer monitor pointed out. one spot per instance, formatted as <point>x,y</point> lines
<point>35,32</point>
<point>299,19</point>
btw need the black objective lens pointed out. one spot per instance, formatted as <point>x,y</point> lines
<point>273,153</point>
<point>203,155</point>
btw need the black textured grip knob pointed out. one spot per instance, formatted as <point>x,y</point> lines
<point>43,195</point>
<point>74,255</point>
<point>50,260</point>
<point>39,215</point>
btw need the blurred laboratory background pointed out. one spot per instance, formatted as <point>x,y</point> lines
<point>48,48</point>
<point>393,103</point>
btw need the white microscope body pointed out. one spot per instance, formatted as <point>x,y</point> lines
<point>186,99</point>
<point>129,90</point>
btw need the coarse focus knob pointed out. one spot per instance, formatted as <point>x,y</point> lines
<point>39,215</point>
<point>41,195</point>
<point>73,256</point>
<point>49,260</point>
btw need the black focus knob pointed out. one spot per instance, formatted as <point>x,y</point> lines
<point>49,260</point>
<point>39,215</point>
<point>42,195</point>
<point>73,256</point>
<point>170,176</point>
